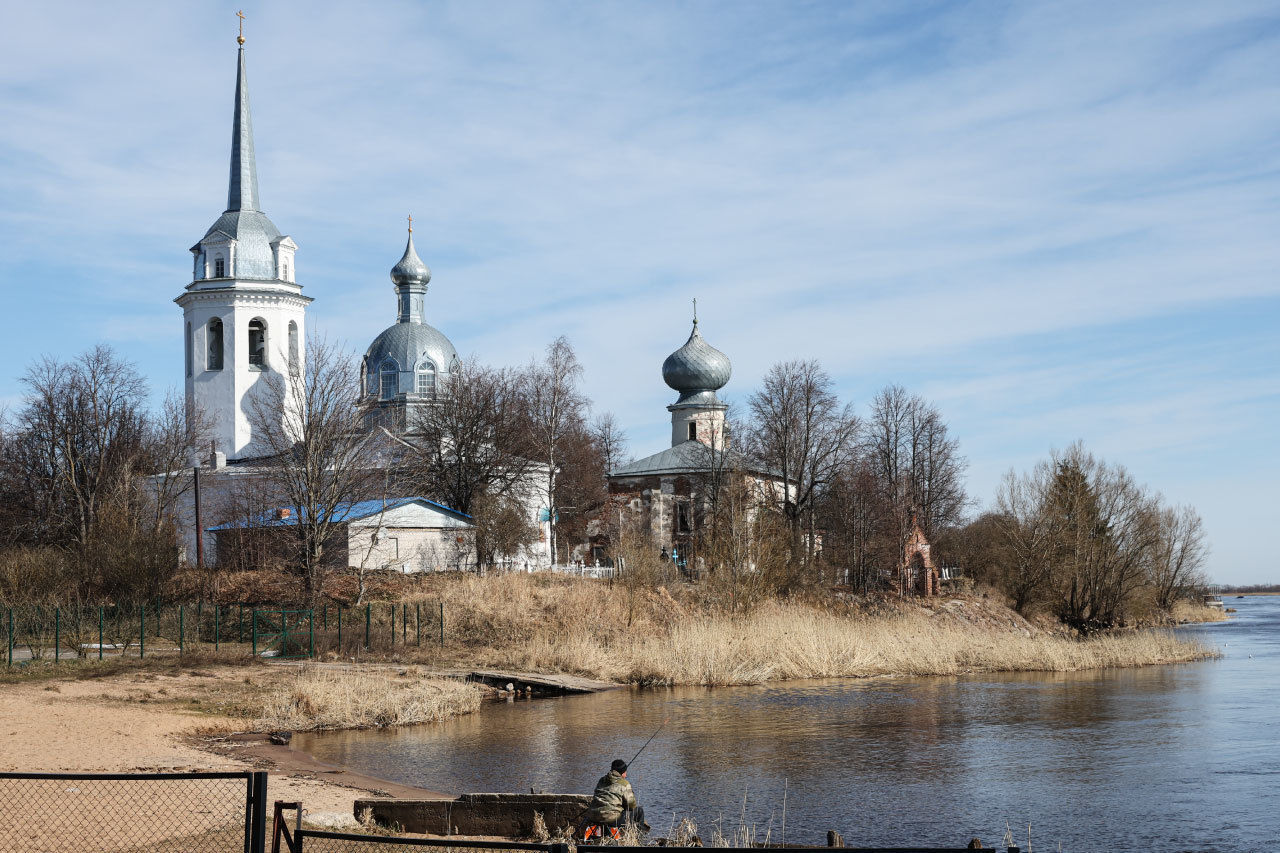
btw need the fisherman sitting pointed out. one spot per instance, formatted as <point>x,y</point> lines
<point>613,805</point>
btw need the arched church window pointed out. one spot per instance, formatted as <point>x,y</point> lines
<point>293,348</point>
<point>186,349</point>
<point>284,272</point>
<point>213,360</point>
<point>219,268</point>
<point>426,385</point>
<point>257,343</point>
<point>693,430</point>
<point>390,380</point>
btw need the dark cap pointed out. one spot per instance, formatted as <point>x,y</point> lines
<point>618,765</point>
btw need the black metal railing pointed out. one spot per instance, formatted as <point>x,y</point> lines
<point>133,812</point>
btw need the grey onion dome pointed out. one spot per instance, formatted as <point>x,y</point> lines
<point>410,269</point>
<point>697,370</point>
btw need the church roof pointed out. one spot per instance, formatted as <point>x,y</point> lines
<point>407,343</point>
<point>347,511</point>
<point>410,269</point>
<point>687,457</point>
<point>243,220</point>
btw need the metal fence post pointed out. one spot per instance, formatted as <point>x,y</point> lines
<point>368,620</point>
<point>142,631</point>
<point>57,633</point>
<point>404,623</point>
<point>258,830</point>
<point>9,644</point>
<point>311,633</point>
<point>216,609</point>
<point>99,632</point>
<point>339,629</point>
<point>324,616</point>
<point>393,624</point>
<point>284,635</point>
<point>182,627</point>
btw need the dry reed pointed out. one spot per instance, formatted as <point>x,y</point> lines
<point>361,698</point>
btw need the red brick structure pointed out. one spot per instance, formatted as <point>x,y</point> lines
<point>917,574</point>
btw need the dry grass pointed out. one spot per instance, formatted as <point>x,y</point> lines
<point>361,698</point>
<point>1187,612</point>
<point>791,642</point>
<point>648,637</point>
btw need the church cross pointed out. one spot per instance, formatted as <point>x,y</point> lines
<point>240,15</point>
<point>410,223</point>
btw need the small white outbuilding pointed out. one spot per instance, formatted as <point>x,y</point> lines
<point>411,534</point>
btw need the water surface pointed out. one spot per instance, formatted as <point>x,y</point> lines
<point>1181,757</point>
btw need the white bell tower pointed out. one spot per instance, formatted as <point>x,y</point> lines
<point>244,315</point>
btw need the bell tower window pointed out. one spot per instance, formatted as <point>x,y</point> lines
<point>219,268</point>
<point>257,344</point>
<point>693,431</point>
<point>293,348</point>
<point>213,360</point>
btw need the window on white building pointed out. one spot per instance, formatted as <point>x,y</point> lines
<point>693,430</point>
<point>426,384</point>
<point>390,381</point>
<point>257,343</point>
<point>219,268</point>
<point>213,360</point>
<point>293,348</point>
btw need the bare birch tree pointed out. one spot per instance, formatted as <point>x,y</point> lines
<point>319,456</point>
<point>556,409</point>
<point>800,430</point>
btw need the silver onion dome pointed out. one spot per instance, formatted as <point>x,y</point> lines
<point>697,370</point>
<point>410,269</point>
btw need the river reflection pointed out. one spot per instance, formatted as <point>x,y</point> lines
<point>1181,757</point>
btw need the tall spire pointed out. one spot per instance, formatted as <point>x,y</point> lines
<point>242,191</point>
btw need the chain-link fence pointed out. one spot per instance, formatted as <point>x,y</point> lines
<point>315,841</point>
<point>132,813</point>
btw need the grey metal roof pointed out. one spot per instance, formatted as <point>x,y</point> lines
<point>697,370</point>
<point>410,269</point>
<point>408,344</point>
<point>687,457</point>
<point>243,221</point>
<point>242,189</point>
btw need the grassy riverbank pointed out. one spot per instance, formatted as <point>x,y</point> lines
<point>652,636</point>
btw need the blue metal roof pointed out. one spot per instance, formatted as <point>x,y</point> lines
<point>343,512</point>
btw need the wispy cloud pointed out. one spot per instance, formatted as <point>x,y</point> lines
<point>988,203</point>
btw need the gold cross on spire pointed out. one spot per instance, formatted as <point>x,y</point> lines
<point>695,310</point>
<point>240,38</point>
<point>410,223</point>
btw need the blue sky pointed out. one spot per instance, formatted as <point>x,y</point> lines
<point>1058,221</point>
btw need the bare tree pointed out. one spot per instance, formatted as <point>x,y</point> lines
<point>556,408</point>
<point>1177,565</point>
<point>472,450</point>
<point>610,439</point>
<point>1027,532</point>
<point>319,456</point>
<point>800,430</point>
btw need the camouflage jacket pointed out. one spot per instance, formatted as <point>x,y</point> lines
<point>613,796</point>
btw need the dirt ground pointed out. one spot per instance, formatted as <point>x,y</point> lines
<point>167,721</point>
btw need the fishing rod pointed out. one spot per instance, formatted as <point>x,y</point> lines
<point>665,720</point>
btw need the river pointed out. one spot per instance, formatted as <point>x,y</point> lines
<point>1180,757</point>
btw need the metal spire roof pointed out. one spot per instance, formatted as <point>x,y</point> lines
<point>242,191</point>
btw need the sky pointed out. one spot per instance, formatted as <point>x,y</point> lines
<point>1058,222</point>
